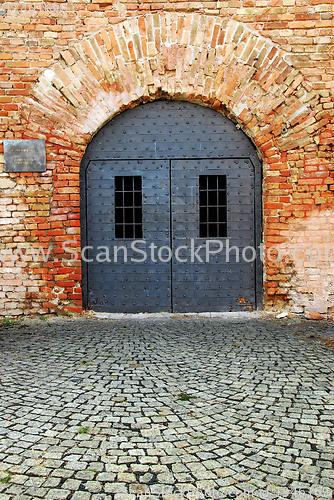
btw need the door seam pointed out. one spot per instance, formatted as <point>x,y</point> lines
<point>171,235</point>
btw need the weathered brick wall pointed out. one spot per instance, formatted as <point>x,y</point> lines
<point>267,65</point>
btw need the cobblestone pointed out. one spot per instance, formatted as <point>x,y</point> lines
<point>175,408</point>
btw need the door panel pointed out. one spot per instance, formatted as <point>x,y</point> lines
<point>128,286</point>
<point>216,285</point>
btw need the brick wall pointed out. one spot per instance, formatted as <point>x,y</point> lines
<point>266,65</point>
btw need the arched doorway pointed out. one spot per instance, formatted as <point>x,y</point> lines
<point>167,189</point>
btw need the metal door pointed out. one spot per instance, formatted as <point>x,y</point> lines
<point>213,274</point>
<point>171,149</point>
<point>119,280</point>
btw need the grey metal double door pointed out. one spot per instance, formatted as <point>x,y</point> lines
<point>160,235</point>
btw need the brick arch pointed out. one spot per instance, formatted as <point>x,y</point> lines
<point>217,62</point>
<point>201,58</point>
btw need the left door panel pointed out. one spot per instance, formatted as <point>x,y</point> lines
<point>124,280</point>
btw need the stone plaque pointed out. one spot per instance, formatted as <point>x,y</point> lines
<point>24,155</point>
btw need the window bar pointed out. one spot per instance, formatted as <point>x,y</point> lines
<point>213,208</point>
<point>128,207</point>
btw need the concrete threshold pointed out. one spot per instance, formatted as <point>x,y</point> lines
<point>167,315</point>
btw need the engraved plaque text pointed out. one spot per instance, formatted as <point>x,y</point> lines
<point>24,155</point>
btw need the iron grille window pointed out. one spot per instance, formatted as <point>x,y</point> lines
<point>128,207</point>
<point>212,206</point>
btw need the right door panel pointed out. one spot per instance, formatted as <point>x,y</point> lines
<point>212,208</point>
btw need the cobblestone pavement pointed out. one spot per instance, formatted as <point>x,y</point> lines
<point>172,408</point>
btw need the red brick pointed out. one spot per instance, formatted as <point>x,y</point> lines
<point>300,162</point>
